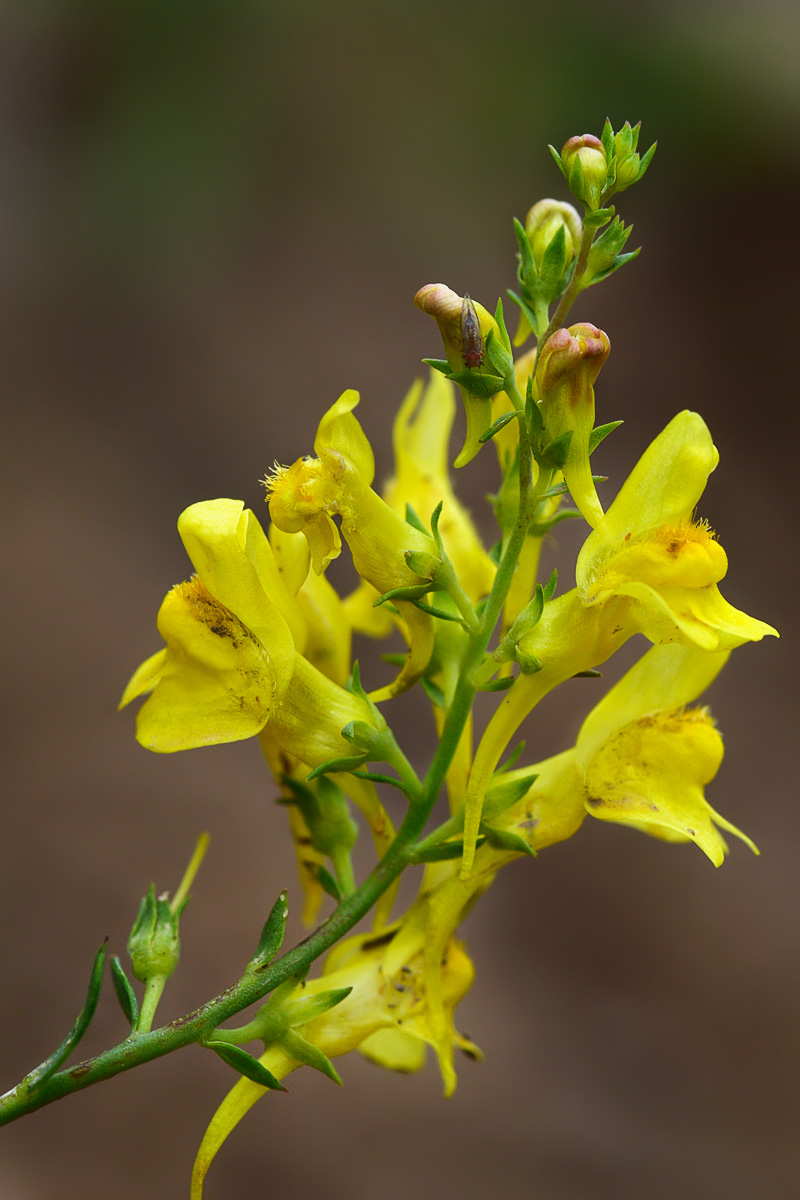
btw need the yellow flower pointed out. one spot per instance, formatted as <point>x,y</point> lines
<point>230,653</point>
<point>382,1002</point>
<point>303,497</point>
<point>230,662</point>
<point>645,757</point>
<point>648,547</point>
<point>645,568</point>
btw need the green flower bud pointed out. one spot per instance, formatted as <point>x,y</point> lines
<point>586,165</point>
<point>154,945</point>
<point>543,223</point>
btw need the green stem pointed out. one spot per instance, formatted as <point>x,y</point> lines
<point>153,992</point>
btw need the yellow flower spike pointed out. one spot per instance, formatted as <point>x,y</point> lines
<point>464,326</point>
<point>421,435</point>
<point>645,757</point>
<point>569,366</point>
<point>328,640</point>
<point>648,548</point>
<point>229,653</point>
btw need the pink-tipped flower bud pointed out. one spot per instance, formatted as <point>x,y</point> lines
<point>570,363</point>
<point>586,166</point>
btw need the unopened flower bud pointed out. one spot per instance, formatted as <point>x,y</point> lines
<point>465,327</point>
<point>543,223</point>
<point>154,945</point>
<point>586,166</point>
<point>570,363</point>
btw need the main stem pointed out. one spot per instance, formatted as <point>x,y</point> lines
<point>253,986</point>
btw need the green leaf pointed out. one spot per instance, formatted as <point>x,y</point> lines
<point>503,839</point>
<point>558,161</point>
<point>394,660</point>
<point>496,552</point>
<point>550,586</point>
<point>81,1024</point>
<point>607,138</point>
<point>540,529</point>
<point>499,424</point>
<point>308,1008</point>
<point>530,315</point>
<point>498,356</point>
<point>328,883</point>
<point>413,520</point>
<point>497,685</point>
<point>512,758</point>
<point>618,262</point>
<point>600,432</point>
<point>588,674</point>
<point>477,383</point>
<point>438,364</point>
<point>434,693</point>
<point>245,1064</point>
<point>272,935</point>
<point>499,317</point>
<point>600,216</point>
<point>125,993</point>
<point>533,413</point>
<point>554,260</point>
<point>555,453</point>
<point>437,612</point>
<point>306,1052</point>
<point>646,160</point>
<point>377,777</point>
<point>334,765</point>
<point>529,664</point>
<point>527,268</point>
<point>444,851</point>
<point>412,592</point>
<point>435,517</point>
<point>502,793</point>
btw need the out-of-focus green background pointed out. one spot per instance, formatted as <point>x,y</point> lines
<point>213,218</point>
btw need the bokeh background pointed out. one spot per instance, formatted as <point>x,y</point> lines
<point>213,218</point>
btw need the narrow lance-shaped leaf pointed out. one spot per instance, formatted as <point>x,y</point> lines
<point>245,1064</point>
<point>51,1064</point>
<point>272,935</point>
<point>124,992</point>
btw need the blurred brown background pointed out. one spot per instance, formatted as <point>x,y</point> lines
<point>213,218</point>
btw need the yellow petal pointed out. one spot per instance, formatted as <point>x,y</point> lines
<point>217,682</point>
<point>144,678</point>
<point>651,774</point>
<point>662,489</point>
<point>339,432</point>
<point>667,677</point>
<point>232,557</point>
<point>695,616</point>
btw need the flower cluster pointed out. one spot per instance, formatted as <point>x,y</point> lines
<point>258,643</point>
